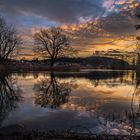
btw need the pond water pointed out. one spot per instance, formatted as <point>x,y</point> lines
<point>86,101</point>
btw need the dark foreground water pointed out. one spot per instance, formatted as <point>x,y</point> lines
<point>86,101</point>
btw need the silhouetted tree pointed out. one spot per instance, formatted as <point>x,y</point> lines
<point>52,92</point>
<point>138,60</point>
<point>52,43</point>
<point>9,41</point>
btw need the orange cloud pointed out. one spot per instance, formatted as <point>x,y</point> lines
<point>120,2</point>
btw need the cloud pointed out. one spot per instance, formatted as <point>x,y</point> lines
<point>119,24</point>
<point>61,11</point>
<point>119,2</point>
<point>92,24</point>
<point>117,30</point>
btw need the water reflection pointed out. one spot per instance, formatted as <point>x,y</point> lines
<point>134,115</point>
<point>110,78</point>
<point>52,92</point>
<point>129,119</point>
<point>96,100</point>
<point>9,95</point>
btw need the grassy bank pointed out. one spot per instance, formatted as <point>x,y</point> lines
<point>64,136</point>
<point>18,132</point>
<point>26,68</point>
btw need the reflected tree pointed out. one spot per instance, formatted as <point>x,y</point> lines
<point>52,92</point>
<point>9,96</point>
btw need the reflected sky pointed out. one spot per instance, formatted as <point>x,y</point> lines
<point>95,105</point>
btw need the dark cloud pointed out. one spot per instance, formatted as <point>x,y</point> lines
<point>119,24</point>
<point>108,30</point>
<point>63,11</point>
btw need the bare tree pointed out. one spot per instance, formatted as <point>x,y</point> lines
<point>52,43</point>
<point>9,41</point>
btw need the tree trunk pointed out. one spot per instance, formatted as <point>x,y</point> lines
<point>52,75</point>
<point>1,61</point>
<point>138,70</point>
<point>52,64</point>
<point>138,63</point>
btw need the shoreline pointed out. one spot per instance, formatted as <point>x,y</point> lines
<point>37,135</point>
<point>30,68</point>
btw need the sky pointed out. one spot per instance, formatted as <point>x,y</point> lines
<point>92,25</point>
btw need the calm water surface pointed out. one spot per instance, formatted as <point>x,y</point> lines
<point>87,101</point>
